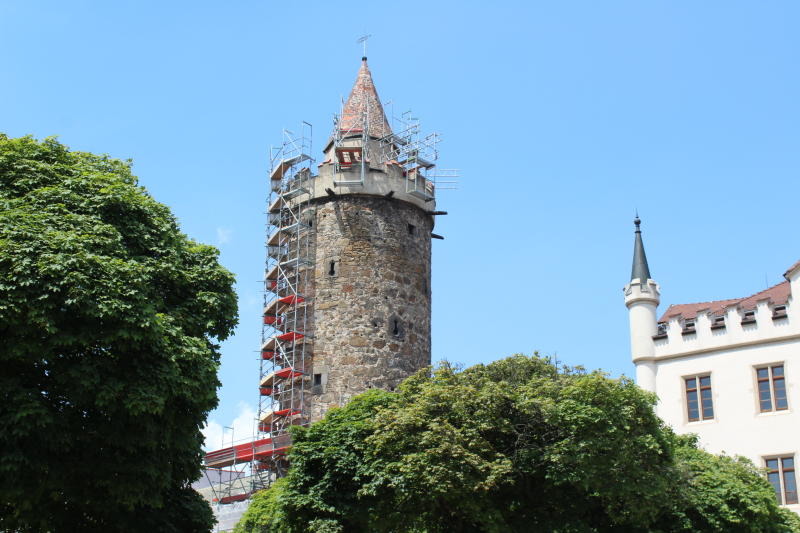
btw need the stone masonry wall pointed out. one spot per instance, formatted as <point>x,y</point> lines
<point>372,297</point>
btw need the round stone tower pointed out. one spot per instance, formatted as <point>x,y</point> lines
<point>372,212</point>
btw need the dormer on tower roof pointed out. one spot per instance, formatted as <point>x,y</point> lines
<point>364,108</point>
<point>640,268</point>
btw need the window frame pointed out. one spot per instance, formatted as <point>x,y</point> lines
<point>781,494</point>
<point>748,316</point>
<point>698,390</point>
<point>779,312</point>
<point>770,368</point>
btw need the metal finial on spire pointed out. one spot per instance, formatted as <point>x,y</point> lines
<point>363,41</point>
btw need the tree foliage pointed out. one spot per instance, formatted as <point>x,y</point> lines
<point>722,493</point>
<point>108,318</point>
<point>516,445</point>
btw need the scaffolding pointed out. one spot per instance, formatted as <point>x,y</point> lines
<point>285,355</point>
<point>235,472</point>
<point>227,470</point>
<point>416,153</point>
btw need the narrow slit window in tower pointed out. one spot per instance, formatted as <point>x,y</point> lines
<point>412,229</point>
<point>332,269</point>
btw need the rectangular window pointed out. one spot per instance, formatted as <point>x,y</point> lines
<point>780,473</point>
<point>771,388</point>
<point>778,312</point>
<point>661,331</point>
<point>699,404</point>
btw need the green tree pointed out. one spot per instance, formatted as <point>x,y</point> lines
<point>109,318</point>
<point>516,445</point>
<point>724,494</point>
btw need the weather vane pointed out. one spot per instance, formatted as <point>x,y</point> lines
<point>363,41</point>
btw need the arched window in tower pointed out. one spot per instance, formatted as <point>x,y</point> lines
<point>396,328</point>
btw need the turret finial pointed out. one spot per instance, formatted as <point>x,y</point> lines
<point>363,41</point>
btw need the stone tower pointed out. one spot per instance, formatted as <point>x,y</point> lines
<point>348,304</point>
<point>372,275</point>
<point>642,297</point>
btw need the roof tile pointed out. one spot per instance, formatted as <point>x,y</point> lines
<point>777,295</point>
<point>364,102</point>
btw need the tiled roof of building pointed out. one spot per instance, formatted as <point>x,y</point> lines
<point>364,102</point>
<point>777,295</point>
<point>791,269</point>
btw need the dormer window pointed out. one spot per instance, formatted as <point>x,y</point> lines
<point>718,322</point>
<point>661,331</point>
<point>688,327</point>
<point>778,312</point>
<point>749,317</point>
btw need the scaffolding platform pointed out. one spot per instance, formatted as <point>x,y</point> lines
<point>239,454</point>
<point>270,416</point>
<point>275,206</point>
<point>273,320</point>
<point>290,336</point>
<point>280,169</point>
<point>269,380</point>
<point>275,238</point>
<point>278,305</point>
<point>295,263</point>
<point>234,498</point>
<point>294,193</point>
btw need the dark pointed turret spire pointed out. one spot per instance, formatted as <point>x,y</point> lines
<point>640,269</point>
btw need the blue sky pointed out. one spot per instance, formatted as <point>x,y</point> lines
<point>564,117</point>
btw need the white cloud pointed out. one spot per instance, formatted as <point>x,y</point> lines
<point>224,235</point>
<point>217,436</point>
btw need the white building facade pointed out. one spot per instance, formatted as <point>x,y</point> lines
<point>727,370</point>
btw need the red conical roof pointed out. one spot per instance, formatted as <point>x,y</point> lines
<point>363,102</point>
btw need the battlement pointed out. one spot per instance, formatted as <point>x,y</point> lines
<point>385,179</point>
<point>690,329</point>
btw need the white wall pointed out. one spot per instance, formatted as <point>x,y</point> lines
<point>738,427</point>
